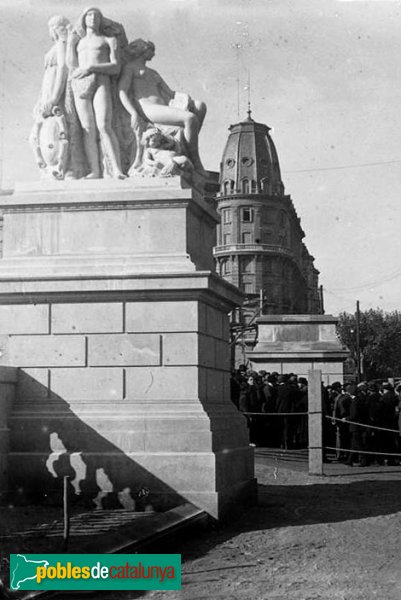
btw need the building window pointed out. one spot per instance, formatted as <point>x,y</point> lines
<point>247,214</point>
<point>226,215</point>
<point>227,239</point>
<point>247,237</point>
<point>228,186</point>
<point>254,187</point>
<point>247,288</point>
<point>225,267</point>
<point>265,185</point>
<point>245,186</point>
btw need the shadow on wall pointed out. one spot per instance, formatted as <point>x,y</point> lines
<point>48,441</point>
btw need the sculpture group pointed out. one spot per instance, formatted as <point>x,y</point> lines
<point>102,112</point>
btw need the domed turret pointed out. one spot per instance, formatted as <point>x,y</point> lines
<point>259,240</point>
<point>250,163</point>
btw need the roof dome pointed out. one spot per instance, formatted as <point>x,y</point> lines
<point>250,163</point>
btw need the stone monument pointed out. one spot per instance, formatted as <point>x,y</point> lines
<point>298,344</point>
<point>110,306</point>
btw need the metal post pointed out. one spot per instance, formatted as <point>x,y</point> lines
<point>321,300</point>
<point>8,385</point>
<point>315,423</point>
<point>358,341</point>
<point>66,512</point>
<point>2,109</point>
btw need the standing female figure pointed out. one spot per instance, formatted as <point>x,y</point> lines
<point>93,58</point>
<point>49,136</point>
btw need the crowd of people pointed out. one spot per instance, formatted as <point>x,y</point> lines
<point>361,422</point>
<point>367,422</point>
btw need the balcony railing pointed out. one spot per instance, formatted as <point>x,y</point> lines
<point>263,248</point>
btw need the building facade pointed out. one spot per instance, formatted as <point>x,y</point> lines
<point>260,245</point>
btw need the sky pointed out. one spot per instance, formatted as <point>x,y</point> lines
<point>325,75</point>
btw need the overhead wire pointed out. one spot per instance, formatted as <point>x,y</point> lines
<point>371,284</point>
<point>341,167</point>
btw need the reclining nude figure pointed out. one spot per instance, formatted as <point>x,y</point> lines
<point>149,101</point>
<point>163,156</point>
<point>93,58</point>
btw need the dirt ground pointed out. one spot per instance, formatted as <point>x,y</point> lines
<point>336,537</point>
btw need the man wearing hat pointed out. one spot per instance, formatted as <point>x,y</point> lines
<point>336,393</point>
<point>359,416</point>
<point>287,394</point>
<point>388,420</point>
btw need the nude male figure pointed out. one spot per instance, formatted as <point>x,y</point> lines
<point>93,59</point>
<point>147,97</point>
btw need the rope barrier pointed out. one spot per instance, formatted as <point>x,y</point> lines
<point>362,451</point>
<point>292,414</point>
<point>345,421</point>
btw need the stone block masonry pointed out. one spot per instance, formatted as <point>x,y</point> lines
<point>153,396</point>
<point>121,358</point>
<point>86,317</point>
<point>24,319</point>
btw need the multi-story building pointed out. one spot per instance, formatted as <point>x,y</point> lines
<point>259,241</point>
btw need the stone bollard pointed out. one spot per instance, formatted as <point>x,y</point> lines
<point>315,422</point>
<point>8,382</point>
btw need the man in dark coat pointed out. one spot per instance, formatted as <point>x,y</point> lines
<point>287,395</point>
<point>270,394</point>
<point>374,407</point>
<point>388,420</point>
<point>269,406</point>
<point>359,416</point>
<point>335,394</point>
<point>250,402</point>
<point>342,411</point>
<point>301,406</point>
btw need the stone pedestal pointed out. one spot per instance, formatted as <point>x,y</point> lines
<point>297,344</point>
<point>118,324</point>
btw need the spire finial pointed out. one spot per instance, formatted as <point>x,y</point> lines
<point>249,111</point>
<point>248,87</point>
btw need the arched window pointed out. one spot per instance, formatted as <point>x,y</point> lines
<point>265,185</point>
<point>245,186</point>
<point>228,187</point>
